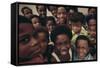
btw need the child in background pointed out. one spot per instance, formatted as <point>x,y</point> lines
<point>53,10</point>
<point>27,12</point>
<point>35,21</point>
<point>61,15</point>
<point>41,9</point>
<point>76,21</point>
<point>91,22</point>
<point>82,49</point>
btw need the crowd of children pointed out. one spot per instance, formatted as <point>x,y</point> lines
<point>67,35</point>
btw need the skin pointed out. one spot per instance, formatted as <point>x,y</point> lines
<point>49,25</point>
<point>41,11</point>
<point>42,41</point>
<point>76,27</point>
<point>28,45</point>
<point>62,44</point>
<point>53,10</point>
<point>92,11</point>
<point>35,22</point>
<point>26,42</point>
<point>82,48</point>
<point>61,15</point>
<point>27,13</point>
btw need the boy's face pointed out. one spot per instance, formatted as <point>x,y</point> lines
<point>42,41</point>
<point>42,11</point>
<point>62,44</point>
<point>82,48</point>
<point>61,15</point>
<point>27,13</point>
<point>76,27</point>
<point>92,11</point>
<point>50,25</point>
<point>28,45</point>
<point>92,24</point>
<point>35,22</point>
<point>53,10</point>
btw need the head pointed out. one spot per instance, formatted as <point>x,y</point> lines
<point>61,15</point>
<point>82,46</point>
<point>91,11</point>
<point>91,22</point>
<point>28,45</point>
<point>41,9</point>
<point>50,23</point>
<point>61,37</point>
<point>76,21</point>
<point>53,10</point>
<point>43,38</point>
<point>27,12</point>
<point>35,21</point>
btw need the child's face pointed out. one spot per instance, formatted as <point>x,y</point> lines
<point>49,25</point>
<point>28,45</point>
<point>92,24</point>
<point>42,11</point>
<point>62,44</point>
<point>76,27</point>
<point>92,11</point>
<point>35,22</point>
<point>53,10</point>
<point>42,41</point>
<point>27,13</point>
<point>92,32</point>
<point>61,15</point>
<point>82,48</point>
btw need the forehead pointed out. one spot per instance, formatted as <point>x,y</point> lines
<point>82,43</point>
<point>62,37</point>
<point>41,7</point>
<point>61,9</point>
<point>25,28</point>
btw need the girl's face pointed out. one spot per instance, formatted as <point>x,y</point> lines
<point>28,45</point>
<point>35,22</point>
<point>82,48</point>
<point>53,10</point>
<point>61,15</point>
<point>76,27</point>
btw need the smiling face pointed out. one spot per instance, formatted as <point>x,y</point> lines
<point>62,44</point>
<point>61,15</point>
<point>28,45</point>
<point>82,48</point>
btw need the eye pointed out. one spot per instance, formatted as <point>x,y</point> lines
<point>25,40</point>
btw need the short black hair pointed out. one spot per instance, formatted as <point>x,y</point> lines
<point>40,5</point>
<point>22,10</point>
<point>77,17</point>
<point>50,8</point>
<point>60,29</point>
<point>82,37</point>
<point>22,19</point>
<point>89,17</point>
<point>34,16</point>
<point>49,18</point>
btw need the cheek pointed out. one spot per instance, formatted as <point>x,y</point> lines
<point>24,50</point>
